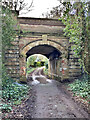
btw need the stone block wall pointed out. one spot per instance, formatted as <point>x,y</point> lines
<point>74,65</point>
<point>12,60</point>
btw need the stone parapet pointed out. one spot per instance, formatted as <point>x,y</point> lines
<point>40,21</point>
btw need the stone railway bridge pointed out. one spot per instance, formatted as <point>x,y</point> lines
<point>42,36</point>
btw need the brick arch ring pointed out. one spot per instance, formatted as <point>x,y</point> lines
<point>29,46</point>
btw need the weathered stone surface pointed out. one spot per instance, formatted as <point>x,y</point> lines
<point>13,63</point>
<point>12,51</point>
<point>40,21</point>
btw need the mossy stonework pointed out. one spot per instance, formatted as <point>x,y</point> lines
<point>42,36</point>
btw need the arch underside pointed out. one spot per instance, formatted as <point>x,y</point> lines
<point>45,50</point>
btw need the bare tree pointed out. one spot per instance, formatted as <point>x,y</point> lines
<point>56,11</point>
<point>60,10</point>
<point>18,5</point>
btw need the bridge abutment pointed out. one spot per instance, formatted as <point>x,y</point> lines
<point>58,68</point>
<point>12,60</point>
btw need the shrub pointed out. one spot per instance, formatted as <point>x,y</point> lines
<point>12,92</point>
<point>80,87</point>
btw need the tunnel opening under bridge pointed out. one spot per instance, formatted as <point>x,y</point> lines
<point>50,52</point>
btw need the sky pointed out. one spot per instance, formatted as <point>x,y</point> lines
<point>40,6</point>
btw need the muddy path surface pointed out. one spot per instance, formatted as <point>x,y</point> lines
<point>53,101</point>
<point>47,99</point>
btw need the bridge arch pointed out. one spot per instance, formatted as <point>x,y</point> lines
<point>52,50</point>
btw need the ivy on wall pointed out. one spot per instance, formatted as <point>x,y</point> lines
<point>9,32</point>
<point>77,29</point>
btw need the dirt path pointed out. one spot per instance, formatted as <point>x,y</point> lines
<point>53,102</point>
<point>47,99</point>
